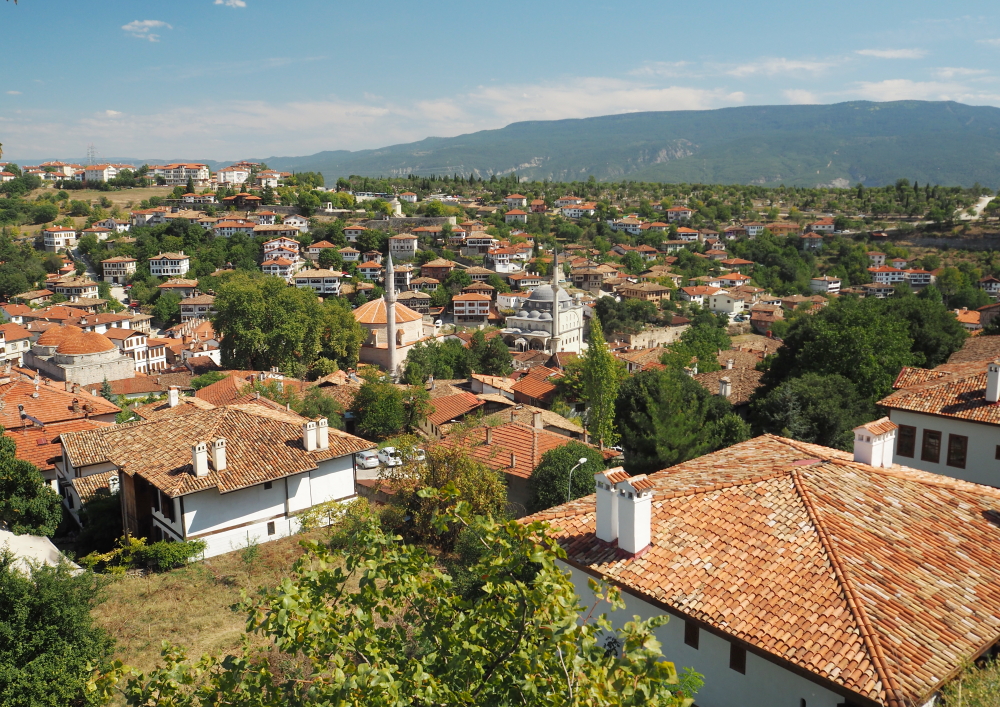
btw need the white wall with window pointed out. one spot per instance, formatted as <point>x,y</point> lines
<point>949,446</point>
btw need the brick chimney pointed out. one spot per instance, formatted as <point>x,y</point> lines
<point>199,459</point>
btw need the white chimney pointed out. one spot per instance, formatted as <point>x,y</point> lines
<point>322,433</point>
<point>309,436</point>
<point>536,420</point>
<point>219,454</point>
<point>993,382</point>
<point>199,459</point>
<point>725,387</point>
<point>607,503</point>
<point>729,364</point>
<point>875,442</point>
<point>173,396</point>
<point>635,513</point>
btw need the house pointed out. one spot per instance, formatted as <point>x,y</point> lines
<point>735,384</point>
<point>884,275</point>
<point>281,267</point>
<point>149,355</point>
<point>352,233</point>
<point>516,216</point>
<point>730,233</point>
<point>283,246</point>
<point>812,242</point>
<point>439,268</point>
<point>198,198</point>
<point>678,213</point>
<point>179,286</point>
<point>969,319</point>
<point>322,282</point>
<point>409,197</point>
<point>471,307</point>
<point>515,201</point>
<point>167,264</point>
<point>824,225</point>
<point>568,201</point>
<point>819,533</point>
<point>58,237</point>
<point>589,279</point>
<point>737,264</point>
<point>579,210</point>
<point>299,222</point>
<point>313,251</point>
<point>733,279</point>
<point>876,259</point>
<point>178,174</point>
<point>918,278</point>
<point>629,224</point>
<point>697,293</point>
<point>113,224</point>
<point>118,270</point>
<point>991,285</point>
<point>524,281</point>
<point>349,254</point>
<point>877,290</point>
<point>416,300</point>
<point>242,202</point>
<point>197,307</point>
<point>277,231</point>
<point>230,227</point>
<point>763,317</point>
<point>403,246</point>
<point>536,387</point>
<point>479,274</point>
<point>538,206</point>
<point>202,475</point>
<point>74,288</point>
<point>99,232</point>
<point>754,229</point>
<point>645,291</point>
<point>424,284</point>
<point>370,271</point>
<point>783,229</point>
<point>719,255</point>
<point>825,285</point>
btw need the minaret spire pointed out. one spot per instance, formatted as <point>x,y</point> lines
<point>390,315</point>
<point>555,340</point>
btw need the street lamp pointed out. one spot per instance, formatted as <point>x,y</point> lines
<point>569,489</point>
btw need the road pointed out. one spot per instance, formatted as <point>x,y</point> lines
<point>979,207</point>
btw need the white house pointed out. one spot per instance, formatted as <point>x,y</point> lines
<point>299,222</point>
<point>197,307</point>
<point>202,475</point>
<point>697,293</point>
<point>58,237</point>
<point>409,197</point>
<point>403,246</point>
<point>113,224</point>
<point>728,303</point>
<point>230,227</point>
<point>515,201</point>
<point>322,282</point>
<point>149,355</point>
<point>884,275</point>
<point>515,216</point>
<point>232,175</point>
<point>678,213</point>
<point>824,225</point>
<point>169,264</point>
<point>279,266</point>
<point>825,285</point>
<point>178,174</point>
<point>791,572</point>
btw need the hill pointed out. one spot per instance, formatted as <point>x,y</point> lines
<point>840,144</point>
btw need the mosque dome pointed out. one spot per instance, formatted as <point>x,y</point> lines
<point>85,343</point>
<point>57,334</point>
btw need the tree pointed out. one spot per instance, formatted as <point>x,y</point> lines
<point>382,625</point>
<point>308,202</point>
<point>378,408</point>
<point>549,482</point>
<point>416,407</point>
<point>935,332</point>
<point>665,417</point>
<point>633,262</point>
<point>49,638</point>
<point>28,505</point>
<point>701,342</point>
<point>822,409</point>
<point>489,357</point>
<point>340,334</point>
<point>329,258</point>
<point>87,243</point>
<point>167,308</point>
<point>602,375</point>
<point>206,379</point>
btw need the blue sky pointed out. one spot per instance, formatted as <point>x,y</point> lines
<point>231,79</point>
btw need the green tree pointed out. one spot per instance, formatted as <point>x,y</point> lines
<point>382,625</point>
<point>822,409</point>
<point>490,357</point>
<point>308,202</point>
<point>935,332</point>
<point>665,417</point>
<point>549,482</point>
<point>340,334</point>
<point>28,505</point>
<point>49,638</point>
<point>168,308</point>
<point>633,262</point>
<point>602,375</point>
<point>701,341</point>
<point>378,409</point>
<point>87,244</point>
<point>416,407</point>
<point>206,379</point>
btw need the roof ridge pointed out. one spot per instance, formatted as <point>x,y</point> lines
<point>890,687</point>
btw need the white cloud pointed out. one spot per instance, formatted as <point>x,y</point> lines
<point>662,68</point>
<point>905,89</point>
<point>950,72</point>
<point>112,113</point>
<point>13,93</point>
<point>231,3</point>
<point>142,29</point>
<point>994,42</point>
<point>772,66</point>
<point>893,53</point>
<point>800,96</point>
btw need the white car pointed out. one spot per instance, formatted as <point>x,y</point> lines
<point>390,457</point>
<point>417,455</point>
<point>367,459</point>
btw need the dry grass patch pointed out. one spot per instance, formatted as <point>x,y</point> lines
<point>191,606</point>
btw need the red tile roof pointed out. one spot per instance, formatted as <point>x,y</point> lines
<point>40,446</point>
<point>53,404</point>
<point>879,581</point>
<point>449,407</point>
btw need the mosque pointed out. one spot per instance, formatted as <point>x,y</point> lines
<point>541,326</point>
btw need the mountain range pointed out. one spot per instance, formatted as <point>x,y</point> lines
<point>941,142</point>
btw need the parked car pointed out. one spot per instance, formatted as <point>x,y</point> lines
<point>417,455</point>
<point>367,459</point>
<point>389,456</point>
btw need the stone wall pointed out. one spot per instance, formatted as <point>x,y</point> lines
<point>84,374</point>
<point>656,336</point>
<point>405,225</point>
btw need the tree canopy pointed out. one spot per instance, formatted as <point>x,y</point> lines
<point>549,484</point>
<point>28,505</point>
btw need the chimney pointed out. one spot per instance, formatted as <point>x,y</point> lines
<point>322,433</point>
<point>729,364</point>
<point>536,420</point>
<point>874,443</point>
<point>219,454</point>
<point>725,387</point>
<point>199,459</point>
<point>993,382</point>
<point>635,506</point>
<point>489,435</point>
<point>309,436</point>
<point>173,396</point>
<point>513,460</point>
<point>607,503</point>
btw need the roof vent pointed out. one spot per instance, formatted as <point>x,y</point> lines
<point>874,442</point>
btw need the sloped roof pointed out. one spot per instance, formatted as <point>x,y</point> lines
<point>53,404</point>
<point>979,348</point>
<point>39,445</point>
<point>880,581</point>
<point>527,443</point>
<point>262,445</point>
<point>449,407</point>
<point>744,382</point>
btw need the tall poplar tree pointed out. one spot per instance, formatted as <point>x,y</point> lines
<point>602,375</point>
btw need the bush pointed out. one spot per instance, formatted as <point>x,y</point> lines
<point>134,553</point>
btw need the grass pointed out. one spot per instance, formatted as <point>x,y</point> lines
<point>191,606</point>
<point>977,686</point>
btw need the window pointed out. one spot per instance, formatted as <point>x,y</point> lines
<point>957,446</point>
<point>930,450</point>
<point>737,658</point>
<point>906,441</point>
<point>270,528</point>
<point>267,485</point>
<point>691,634</point>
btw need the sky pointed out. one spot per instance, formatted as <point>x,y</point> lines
<point>237,79</point>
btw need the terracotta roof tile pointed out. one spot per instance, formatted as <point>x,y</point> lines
<point>449,407</point>
<point>53,404</point>
<point>40,445</point>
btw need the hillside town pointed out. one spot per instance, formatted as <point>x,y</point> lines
<point>764,413</point>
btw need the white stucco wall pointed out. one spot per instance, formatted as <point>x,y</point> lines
<point>981,465</point>
<point>765,684</point>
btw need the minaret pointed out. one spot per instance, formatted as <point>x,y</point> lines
<point>390,315</point>
<point>555,340</point>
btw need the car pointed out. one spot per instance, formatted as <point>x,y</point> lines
<point>367,459</point>
<point>389,456</point>
<point>438,323</point>
<point>416,455</point>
